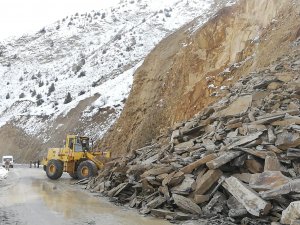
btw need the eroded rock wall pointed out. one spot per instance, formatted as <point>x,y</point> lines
<point>194,67</point>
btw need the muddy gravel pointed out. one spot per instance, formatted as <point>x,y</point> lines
<point>27,196</point>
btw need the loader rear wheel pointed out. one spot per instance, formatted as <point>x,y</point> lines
<point>86,169</point>
<point>54,169</point>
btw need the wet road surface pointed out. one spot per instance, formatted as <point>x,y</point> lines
<point>27,196</point>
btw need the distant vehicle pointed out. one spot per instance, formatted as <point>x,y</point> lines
<point>10,158</point>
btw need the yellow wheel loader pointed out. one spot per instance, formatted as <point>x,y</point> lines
<point>75,158</point>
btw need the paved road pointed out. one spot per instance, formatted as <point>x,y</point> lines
<point>27,196</point>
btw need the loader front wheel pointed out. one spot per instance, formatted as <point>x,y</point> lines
<point>86,169</point>
<point>54,169</point>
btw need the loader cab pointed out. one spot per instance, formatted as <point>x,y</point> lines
<point>77,144</point>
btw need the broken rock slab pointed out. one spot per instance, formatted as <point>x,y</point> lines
<point>271,135</point>
<point>188,127</point>
<point>189,168</point>
<point>254,166</point>
<point>185,187</point>
<point>259,154</point>
<point>274,86</point>
<point>267,180</point>
<point>245,177</point>
<point>216,204</point>
<point>293,186</point>
<point>239,161</point>
<point>175,134</point>
<point>209,145</point>
<point>199,175</point>
<point>223,159</point>
<point>274,149</point>
<point>184,146</point>
<point>247,197</point>
<point>234,126</point>
<point>137,170</point>
<point>162,213</point>
<point>146,185</point>
<point>115,191</point>
<point>173,179</point>
<point>207,180</point>
<point>287,140</point>
<point>157,171</point>
<point>272,163</point>
<point>280,114</point>
<point>292,212</point>
<point>198,199</point>
<point>236,209</point>
<point>186,204</point>
<point>238,107</point>
<point>156,202</point>
<point>245,140</point>
<point>268,119</point>
<point>287,121</point>
<point>285,77</point>
<point>293,152</point>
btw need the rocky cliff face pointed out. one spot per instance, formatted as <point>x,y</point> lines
<point>236,161</point>
<point>196,65</point>
<point>231,164</point>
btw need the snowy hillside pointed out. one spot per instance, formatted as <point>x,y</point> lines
<point>84,55</point>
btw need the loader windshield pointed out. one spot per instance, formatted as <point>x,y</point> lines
<point>81,144</point>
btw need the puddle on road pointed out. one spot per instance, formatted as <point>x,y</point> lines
<point>70,203</point>
<point>57,202</point>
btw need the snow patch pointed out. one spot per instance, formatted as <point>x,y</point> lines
<point>212,86</point>
<point>3,173</point>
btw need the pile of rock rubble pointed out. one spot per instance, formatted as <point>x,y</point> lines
<point>238,160</point>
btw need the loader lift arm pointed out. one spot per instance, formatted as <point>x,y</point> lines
<point>93,158</point>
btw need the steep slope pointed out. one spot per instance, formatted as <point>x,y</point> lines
<point>93,57</point>
<point>196,66</point>
<point>229,164</point>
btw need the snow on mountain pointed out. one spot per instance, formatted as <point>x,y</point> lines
<point>91,54</point>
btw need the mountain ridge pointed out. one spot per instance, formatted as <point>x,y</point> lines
<point>91,56</point>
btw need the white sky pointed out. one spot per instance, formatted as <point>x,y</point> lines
<point>25,16</point>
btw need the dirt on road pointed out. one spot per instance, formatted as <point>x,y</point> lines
<point>27,196</point>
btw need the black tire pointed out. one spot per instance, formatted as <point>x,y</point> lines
<point>73,175</point>
<point>44,168</point>
<point>54,169</point>
<point>86,169</point>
